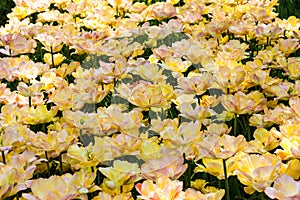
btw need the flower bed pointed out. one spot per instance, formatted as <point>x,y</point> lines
<point>149,100</point>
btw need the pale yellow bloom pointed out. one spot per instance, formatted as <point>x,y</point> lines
<point>57,59</point>
<point>191,194</point>
<point>38,115</point>
<point>163,189</point>
<point>171,165</point>
<point>257,172</point>
<point>215,167</point>
<point>285,187</point>
<point>122,173</point>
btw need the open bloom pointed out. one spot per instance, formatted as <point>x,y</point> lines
<point>122,173</point>
<point>106,196</point>
<point>240,103</point>
<point>15,173</point>
<point>224,147</point>
<point>284,188</point>
<point>195,83</point>
<point>183,137</point>
<point>163,10</point>
<point>197,112</point>
<point>288,46</point>
<point>291,168</point>
<point>38,115</point>
<point>264,140</point>
<point>146,95</point>
<point>257,172</point>
<point>191,194</point>
<point>215,167</point>
<point>163,189</point>
<point>56,187</point>
<point>55,142</point>
<point>57,59</point>
<point>171,165</point>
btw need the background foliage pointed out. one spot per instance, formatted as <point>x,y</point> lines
<point>5,8</point>
<point>288,8</point>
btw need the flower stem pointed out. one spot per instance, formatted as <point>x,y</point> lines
<point>3,157</point>
<point>235,125</point>
<point>247,128</point>
<point>29,98</point>
<point>48,166</point>
<point>60,165</point>
<point>29,101</point>
<point>52,56</point>
<point>198,98</point>
<point>188,174</point>
<point>227,197</point>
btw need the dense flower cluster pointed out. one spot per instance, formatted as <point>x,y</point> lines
<point>125,99</point>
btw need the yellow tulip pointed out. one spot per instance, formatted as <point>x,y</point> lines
<point>57,58</point>
<point>38,115</point>
<point>224,147</point>
<point>264,140</point>
<point>122,173</point>
<point>163,10</point>
<point>291,148</point>
<point>150,149</point>
<point>102,150</point>
<point>291,168</point>
<point>15,173</point>
<point>107,196</point>
<point>55,187</point>
<point>175,64</point>
<point>257,172</point>
<point>146,95</point>
<point>54,142</point>
<point>240,103</point>
<point>288,46</point>
<point>215,167</point>
<point>163,189</point>
<point>191,194</point>
<point>169,165</point>
<point>195,83</point>
<point>285,187</point>
<point>79,157</point>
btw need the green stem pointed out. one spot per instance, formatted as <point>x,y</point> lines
<point>247,127</point>
<point>44,128</point>
<point>3,157</point>
<point>262,196</point>
<point>29,98</point>
<point>29,101</point>
<point>60,165</point>
<point>170,114</point>
<point>117,12</point>
<point>219,184</point>
<point>98,182</point>
<point>227,197</point>
<point>236,186</point>
<point>199,99</point>
<point>235,125</point>
<point>48,166</point>
<point>163,114</point>
<point>188,174</point>
<point>52,56</point>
